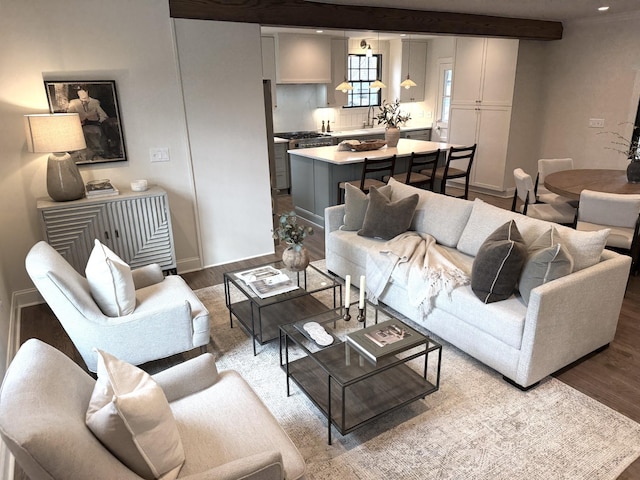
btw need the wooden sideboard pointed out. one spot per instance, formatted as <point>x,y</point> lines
<point>135,225</point>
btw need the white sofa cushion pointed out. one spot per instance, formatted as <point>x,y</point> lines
<point>110,281</point>
<point>129,413</point>
<point>441,216</point>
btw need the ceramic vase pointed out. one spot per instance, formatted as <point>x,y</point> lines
<point>392,135</point>
<point>633,172</point>
<point>295,260</point>
<point>64,182</point>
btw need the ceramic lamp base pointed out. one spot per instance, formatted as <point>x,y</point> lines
<point>64,182</point>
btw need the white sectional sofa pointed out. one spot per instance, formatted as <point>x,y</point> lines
<point>564,320</point>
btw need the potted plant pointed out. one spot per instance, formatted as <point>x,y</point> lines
<point>295,256</point>
<point>391,116</point>
<point>631,149</point>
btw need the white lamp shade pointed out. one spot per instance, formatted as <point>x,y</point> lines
<point>377,84</point>
<point>58,132</point>
<point>344,86</point>
<point>408,83</point>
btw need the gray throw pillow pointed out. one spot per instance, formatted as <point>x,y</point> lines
<point>548,259</point>
<point>497,266</point>
<point>386,219</point>
<point>355,206</point>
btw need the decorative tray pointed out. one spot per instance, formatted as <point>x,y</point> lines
<point>361,146</point>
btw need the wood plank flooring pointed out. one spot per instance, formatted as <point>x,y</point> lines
<point>612,376</point>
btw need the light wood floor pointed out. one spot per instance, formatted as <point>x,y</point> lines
<point>612,377</point>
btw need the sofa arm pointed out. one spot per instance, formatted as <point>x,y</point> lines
<point>188,377</point>
<point>572,316</point>
<point>333,218</point>
<point>259,466</point>
<point>147,275</point>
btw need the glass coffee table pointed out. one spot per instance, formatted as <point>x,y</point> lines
<point>364,373</point>
<point>261,317</point>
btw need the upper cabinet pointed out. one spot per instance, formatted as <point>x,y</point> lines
<point>485,70</point>
<point>329,96</point>
<point>303,58</point>
<point>414,64</point>
<point>269,65</point>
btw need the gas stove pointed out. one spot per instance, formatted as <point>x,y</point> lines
<point>299,135</point>
<point>306,139</point>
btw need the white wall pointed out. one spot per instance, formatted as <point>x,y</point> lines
<point>593,72</point>
<point>221,69</point>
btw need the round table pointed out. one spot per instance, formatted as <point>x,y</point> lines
<point>569,183</point>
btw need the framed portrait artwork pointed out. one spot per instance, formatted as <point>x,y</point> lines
<point>96,103</point>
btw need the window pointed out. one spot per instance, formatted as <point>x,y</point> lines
<point>362,71</point>
<point>446,95</point>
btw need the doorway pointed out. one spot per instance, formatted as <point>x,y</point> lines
<point>440,132</point>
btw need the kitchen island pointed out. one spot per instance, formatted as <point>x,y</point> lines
<point>316,172</point>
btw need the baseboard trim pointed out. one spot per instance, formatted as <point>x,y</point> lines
<point>187,265</point>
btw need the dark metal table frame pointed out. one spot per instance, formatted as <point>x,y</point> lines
<point>250,312</point>
<point>409,386</point>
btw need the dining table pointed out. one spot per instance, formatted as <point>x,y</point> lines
<point>569,183</point>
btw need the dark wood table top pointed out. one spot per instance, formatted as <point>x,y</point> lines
<point>569,183</point>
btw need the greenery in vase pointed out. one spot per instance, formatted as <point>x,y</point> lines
<point>290,231</point>
<point>391,115</point>
<point>630,148</point>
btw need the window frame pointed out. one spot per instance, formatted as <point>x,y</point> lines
<point>361,83</point>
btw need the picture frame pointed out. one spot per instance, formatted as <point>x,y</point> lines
<point>96,102</point>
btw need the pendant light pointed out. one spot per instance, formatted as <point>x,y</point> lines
<point>408,83</point>
<point>345,86</point>
<point>377,84</point>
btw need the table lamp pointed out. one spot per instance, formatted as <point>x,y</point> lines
<point>58,133</point>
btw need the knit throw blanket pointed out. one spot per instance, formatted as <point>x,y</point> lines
<point>415,259</point>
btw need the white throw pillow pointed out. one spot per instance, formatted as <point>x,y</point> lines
<point>110,281</point>
<point>129,413</point>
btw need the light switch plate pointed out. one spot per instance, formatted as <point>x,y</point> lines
<point>159,154</point>
<point>596,123</point>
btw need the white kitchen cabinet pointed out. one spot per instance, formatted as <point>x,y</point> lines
<point>269,65</point>
<point>328,96</point>
<point>484,71</point>
<point>482,93</point>
<point>302,58</point>
<point>414,63</point>
<point>282,166</point>
<point>135,225</point>
<point>488,127</point>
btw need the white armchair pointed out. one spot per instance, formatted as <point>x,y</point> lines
<point>168,317</point>
<point>225,429</point>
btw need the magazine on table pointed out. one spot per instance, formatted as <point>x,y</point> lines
<point>267,281</point>
<point>99,189</point>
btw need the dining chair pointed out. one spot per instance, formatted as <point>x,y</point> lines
<point>562,213</point>
<point>547,166</point>
<point>618,212</point>
<point>371,168</point>
<point>458,165</point>
<point>417,174</point>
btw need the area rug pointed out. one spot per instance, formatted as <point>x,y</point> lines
<point>475,427</point>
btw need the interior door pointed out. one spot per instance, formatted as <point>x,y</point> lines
<point>443,106</point>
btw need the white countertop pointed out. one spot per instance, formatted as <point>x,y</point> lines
<point>332,155</point>
<point>280,140</point>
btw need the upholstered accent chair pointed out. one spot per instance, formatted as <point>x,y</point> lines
<point>618,212</point>
<point>547,166</point>
<point>167,318</point>
<point>225,430</point>
<point>562,213</point>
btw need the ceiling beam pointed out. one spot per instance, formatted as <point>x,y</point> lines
<point>301,13</point>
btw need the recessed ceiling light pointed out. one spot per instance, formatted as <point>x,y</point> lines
<point>319,31</point>
<point>403,34</point>
<point>603,8</point>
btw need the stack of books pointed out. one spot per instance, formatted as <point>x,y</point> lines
<point>267,281</point>
<point>100,188</point>
<point>384,339</point>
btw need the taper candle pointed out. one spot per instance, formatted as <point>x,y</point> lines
<point>347,292</point>
<point>362,289</point>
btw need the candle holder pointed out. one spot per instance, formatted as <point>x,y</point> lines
<point>362,314</point>
<point>346,316</point>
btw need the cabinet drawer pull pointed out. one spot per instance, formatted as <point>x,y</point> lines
<point>106,235</point>
<point>117,234</point>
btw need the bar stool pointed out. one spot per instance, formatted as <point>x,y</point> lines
<point>378,167</point>
<point>457,154</point>
<point>416,174</point>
